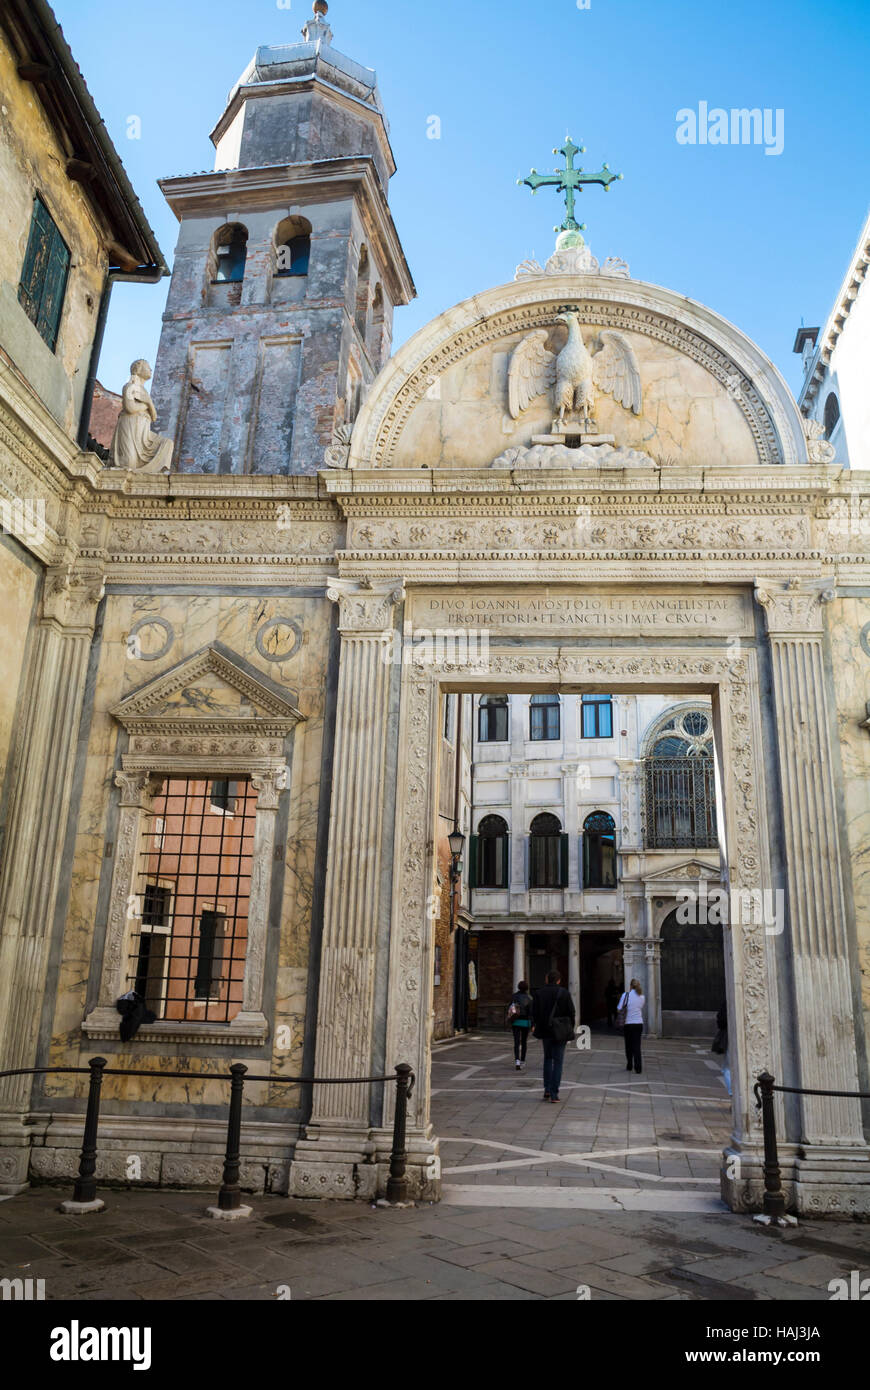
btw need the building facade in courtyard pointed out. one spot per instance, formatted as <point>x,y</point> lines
<point>592,814</point>
<point>233,764</point>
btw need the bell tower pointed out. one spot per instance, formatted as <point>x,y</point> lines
<point>287,269</point>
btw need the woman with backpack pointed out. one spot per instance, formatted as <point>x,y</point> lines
<point>520,1018</point>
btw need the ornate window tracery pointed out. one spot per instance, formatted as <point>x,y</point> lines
<point>680,793</point>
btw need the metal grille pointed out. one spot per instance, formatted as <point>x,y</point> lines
<point>191,907</point>
<point>680,803</point>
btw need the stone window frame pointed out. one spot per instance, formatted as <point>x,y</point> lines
<point>162,748</point>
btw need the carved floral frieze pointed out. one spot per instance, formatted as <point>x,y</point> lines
<point>285,535</point>
<point>582,530</point>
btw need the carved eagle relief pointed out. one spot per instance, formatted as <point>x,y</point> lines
<point>574,373</point>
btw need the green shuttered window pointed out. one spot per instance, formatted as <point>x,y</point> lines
<point>44,275</point>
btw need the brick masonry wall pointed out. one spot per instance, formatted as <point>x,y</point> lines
<point>105,409</point>
<point>495,977</point>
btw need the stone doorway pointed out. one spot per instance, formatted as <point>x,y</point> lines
<point>601,960</point>
<point>395,725</point>
<point>532,667</point>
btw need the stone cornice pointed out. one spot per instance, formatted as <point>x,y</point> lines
<point>276,185</point>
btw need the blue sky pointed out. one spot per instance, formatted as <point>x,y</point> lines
<point>764,240</point>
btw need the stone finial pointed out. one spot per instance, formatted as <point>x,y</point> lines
<point>317,30</point>
<point>819,449</point>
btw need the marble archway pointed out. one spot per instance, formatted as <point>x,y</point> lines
<point>750,968</point>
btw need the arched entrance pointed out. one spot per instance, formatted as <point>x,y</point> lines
<point>692,973</point>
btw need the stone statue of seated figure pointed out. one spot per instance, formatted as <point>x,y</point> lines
<point>134,447</point>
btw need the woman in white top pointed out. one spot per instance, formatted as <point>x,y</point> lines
<point>633,1001</point>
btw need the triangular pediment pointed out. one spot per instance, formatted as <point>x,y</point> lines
<point>692,870</point>
<point>212,687</point>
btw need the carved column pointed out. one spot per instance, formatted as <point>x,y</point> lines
<point>138,790</point>
<point>654,972</point>
<point>518,884</point>
<point>571,774</point>
<point>519,957</point>
<point>824,1050</point>
<point>652,963</point>
<point>36,826</point>
<point>326,1162</point>
<point>630,781</point>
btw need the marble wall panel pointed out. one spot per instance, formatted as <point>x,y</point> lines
<point>295,660</point>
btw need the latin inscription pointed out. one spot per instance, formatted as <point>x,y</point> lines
<point>724,613</point>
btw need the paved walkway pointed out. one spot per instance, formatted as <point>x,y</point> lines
<point>160,1245</point>
<point>615,1141</point>
<point>612,1195</point>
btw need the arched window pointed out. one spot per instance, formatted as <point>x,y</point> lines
<point>832,414</point>
<point>680,783</point>
<point>599,851</point>
<point>361,315</point>
<point>544,717</point>
<point>548,853</point>
<point>493,719</point>
<point>597,715</point>
<point>492,853</point>
<point>292,246</point>
<point>230,253</point>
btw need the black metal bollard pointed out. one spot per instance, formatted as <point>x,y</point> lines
<point>230,1196</point>
<point>85,1189</point>
<point>774,1197</point>
<point>397,1183</point>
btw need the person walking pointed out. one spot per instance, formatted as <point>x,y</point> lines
<point>631,1011</point>
<point>553,1024</point>
<point>520,1016</point>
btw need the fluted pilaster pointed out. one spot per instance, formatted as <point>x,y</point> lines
<point>345,1016</point>
<point>42,787</point>
<point>823,1049</point>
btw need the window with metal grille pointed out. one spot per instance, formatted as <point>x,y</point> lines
<point>544,717</point>
<point>680,778</point>
<point>681,803</point>
<point>493,719</point>
<point>599,851</point>
<point>223,796</point>
<point>597,715</point>
<point>44,274</point>
<point>189,945</point>
<point>152,957</point>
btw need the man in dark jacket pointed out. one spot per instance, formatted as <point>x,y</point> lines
<point>551,1001</point>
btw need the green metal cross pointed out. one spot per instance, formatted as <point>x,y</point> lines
<point>570,180</point>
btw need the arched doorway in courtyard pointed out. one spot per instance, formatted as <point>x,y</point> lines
<point>692,974</point>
